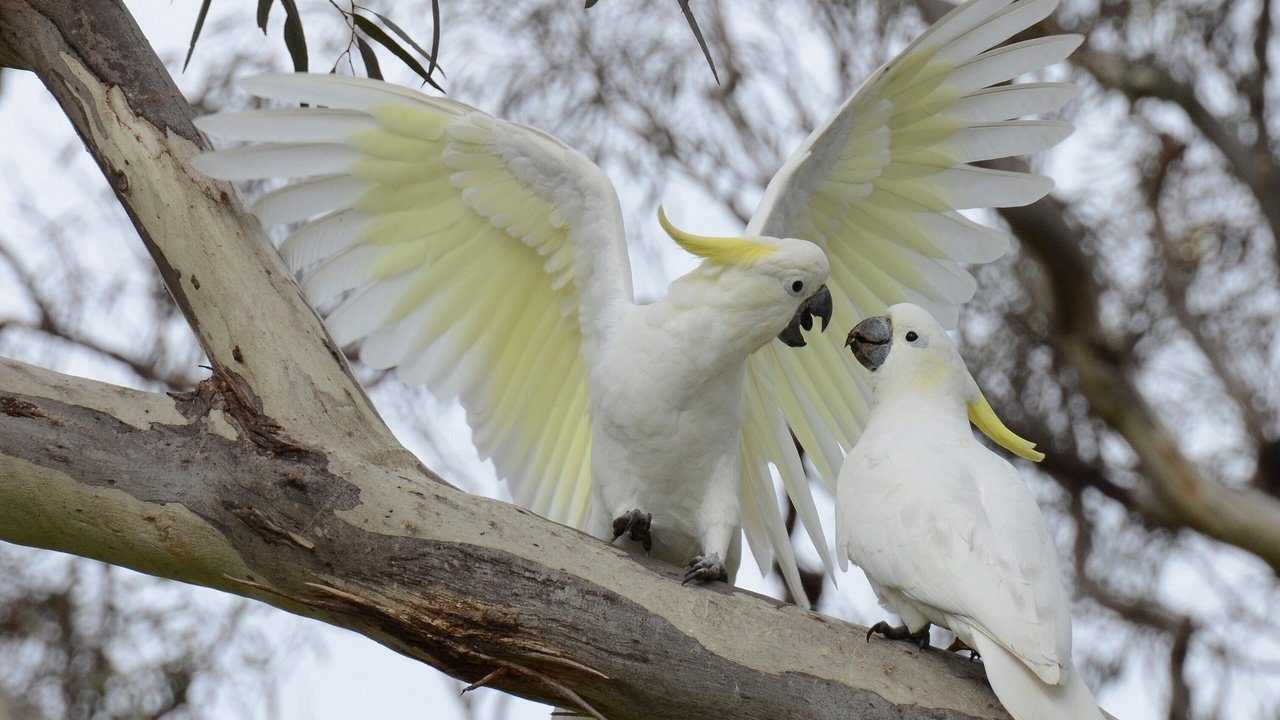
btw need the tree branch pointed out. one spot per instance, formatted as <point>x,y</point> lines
<point>1240,516</point>
<point>187,487</point>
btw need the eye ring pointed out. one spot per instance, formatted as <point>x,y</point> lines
<point>912,336</point>
<point>797,287</point>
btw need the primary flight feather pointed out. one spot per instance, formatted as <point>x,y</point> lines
<point>487,260</point>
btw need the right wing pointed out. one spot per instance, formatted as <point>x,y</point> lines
<point>879,187</point>
<point>481,258</point>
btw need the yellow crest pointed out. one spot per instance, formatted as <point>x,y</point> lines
<point>981,415</point>
<point>736,251</point>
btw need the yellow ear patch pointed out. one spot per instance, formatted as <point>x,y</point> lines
<point>736,251</point>
<point>981,415</point>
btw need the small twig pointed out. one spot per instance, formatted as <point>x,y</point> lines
<point>483,681</point>
<point>566,662</point>
<point>309,602</point>
<point>564,692</point>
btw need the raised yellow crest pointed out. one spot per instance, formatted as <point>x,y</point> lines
<point>735,251</point>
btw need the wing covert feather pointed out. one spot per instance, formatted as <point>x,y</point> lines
<point>977,549</point>
<point>479,257</point>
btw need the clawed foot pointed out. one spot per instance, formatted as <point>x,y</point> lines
<point>705,568</point>
<point>634,525</point>
<point>958,646</point>
<point>884,629</point>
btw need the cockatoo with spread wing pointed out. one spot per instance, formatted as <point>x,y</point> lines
<point>487,260</point>
<point>945,529</point>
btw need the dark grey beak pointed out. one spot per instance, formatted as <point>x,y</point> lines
<point>817,304</point>
<point>870,341</point>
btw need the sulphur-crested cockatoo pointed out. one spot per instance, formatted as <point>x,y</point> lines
<point>945,529</point>
<point>487,260</point>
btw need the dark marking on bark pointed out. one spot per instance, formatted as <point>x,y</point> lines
<point>105,39</point>
<point>14,407</point>
<point>334,351</point>
<point>237,355</point>
<point>268,530</point>
<point>229,392</point>
<point>195,281</point>
<point>120,181</point>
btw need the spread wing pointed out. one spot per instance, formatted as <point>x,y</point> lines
<point>879,187</point>
<point>479,257</point>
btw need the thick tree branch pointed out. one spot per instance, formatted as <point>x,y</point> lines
<point>1241,516</point>
<point>275,479</point>
<point>187,488</point>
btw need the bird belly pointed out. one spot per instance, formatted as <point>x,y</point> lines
<point>664,455</point>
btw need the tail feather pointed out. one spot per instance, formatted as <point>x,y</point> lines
<point>1026,696</point>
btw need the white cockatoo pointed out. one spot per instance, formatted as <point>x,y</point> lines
<point>945,529</point>
<point>487,260</point>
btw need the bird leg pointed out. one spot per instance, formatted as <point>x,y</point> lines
<point>901,632</point>
<point>958,646</point>
<point>705,568</point>
<point>634,525</point>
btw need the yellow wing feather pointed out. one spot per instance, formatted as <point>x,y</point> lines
<point>879,186</point>
<point>462,250</point>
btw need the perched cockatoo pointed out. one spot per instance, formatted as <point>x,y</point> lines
<point>487,260</point>
<point>945,529</point>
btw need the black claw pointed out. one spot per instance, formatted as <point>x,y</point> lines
<point>705,568</point>
<point>957,646</point>
<point>901,632</point>
<point>636,525</point>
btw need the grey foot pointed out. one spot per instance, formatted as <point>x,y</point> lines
<point>635,525</point>
<point>957,646</point>
<point>884,629</point>
<point>705,568</point>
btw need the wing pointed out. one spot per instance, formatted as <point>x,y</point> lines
<point>481,258</point>
<point>879,187</point>
<point>982,554</point>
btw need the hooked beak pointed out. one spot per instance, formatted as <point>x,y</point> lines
<point>870,341</point>
<point>817,304</point>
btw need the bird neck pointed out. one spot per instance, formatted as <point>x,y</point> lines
<point>923,391</point>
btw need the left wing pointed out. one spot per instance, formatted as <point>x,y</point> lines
<point>879,187</point>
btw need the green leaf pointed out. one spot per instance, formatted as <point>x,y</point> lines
<point>379,36</point>
<point>195,33</point>
<point>264,11</point>
<point>697,33</point>
<point>294,38</point>
<point>435,38</point>
<point>435,35</point>
<point>370,59</point>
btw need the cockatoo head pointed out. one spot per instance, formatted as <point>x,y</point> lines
<point>778,284</point>
<point>908,351</point>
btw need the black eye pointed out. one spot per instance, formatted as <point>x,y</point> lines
<point>912,336</point>
<point>797,286</point>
